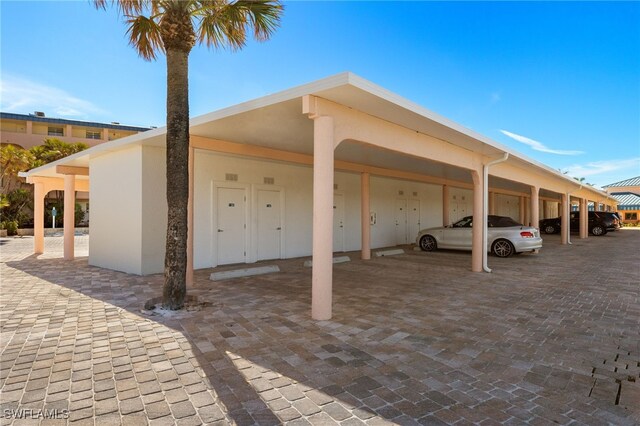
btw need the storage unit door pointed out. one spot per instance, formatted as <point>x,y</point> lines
<point>231,229</point>
<point>269,225</point>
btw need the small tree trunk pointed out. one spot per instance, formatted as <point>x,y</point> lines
<point>175,263</point>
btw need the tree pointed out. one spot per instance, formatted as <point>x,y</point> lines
<point>53,149</point>
<point>13,160</point>
<point>173,27</point>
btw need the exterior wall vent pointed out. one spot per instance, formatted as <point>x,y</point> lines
<point>400,192</point>
<point>269,181</point>
<point>231,177</point>
<point>335,186</point>
<point>415,194</point>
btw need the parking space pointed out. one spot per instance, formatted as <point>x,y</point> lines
<point>414,338</point>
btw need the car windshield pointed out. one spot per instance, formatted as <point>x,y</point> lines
<point>467,222</point>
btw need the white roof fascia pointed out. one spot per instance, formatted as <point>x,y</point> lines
<point>102,148</point>
<point>283,96</point>
<point>394,98</point>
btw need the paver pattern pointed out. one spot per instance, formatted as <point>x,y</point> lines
<point>415,339</point>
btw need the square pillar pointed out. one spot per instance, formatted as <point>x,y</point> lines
<point>68,131</point>
<point>522,209</point>
<point>29,128</point>
<point>38,217</point>
<point>365,214</point>
<point>564,219</point>
<point>445,205</point>
<point>534,217</point>
<point>323,169</point>
<point>584,218</point>
<point>492,203</point>
<point>477,230</point>
<point>69,213</point>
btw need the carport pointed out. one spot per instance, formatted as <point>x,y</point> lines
<point>339,124</point>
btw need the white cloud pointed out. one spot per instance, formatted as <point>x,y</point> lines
<point>538,146</point>
<point>495,97</point>
<point>24,96</point>
<point>600,167</point>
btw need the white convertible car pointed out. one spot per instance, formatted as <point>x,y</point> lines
<point>505,236</point>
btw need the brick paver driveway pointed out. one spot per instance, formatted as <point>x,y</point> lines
<point>415,338</point>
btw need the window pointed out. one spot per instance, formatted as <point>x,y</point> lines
<point>55,131</point>
<point>94,135</point>
<point>631,216</point>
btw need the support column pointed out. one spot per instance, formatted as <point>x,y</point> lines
<point>189,274</point>
<point>365,214</point>
<point>564,219</point>
<point>535,207</point>
<point>69,213</point>
<point>445,205</point>
<point>522,209</point>
<point>492,203</point>
<point>38,217</point>
<point>29,128</point>
<point>322,273</point>
<point>584,218</point>
<point>476,244</point>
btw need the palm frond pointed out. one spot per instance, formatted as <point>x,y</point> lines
<point>224,24</point>
<point>144,36</point>
<point>125,7</point>
<point>264,16</point>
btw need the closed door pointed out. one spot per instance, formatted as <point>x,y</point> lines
<point>459,210</point>
<point>414,219</point>
<point>401,221</point>
<point>231,226</point>
<point>338,222</point>
<point>269,225</point>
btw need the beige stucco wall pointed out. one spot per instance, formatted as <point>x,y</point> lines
<point>116,211</point>
<point>508,205</point>
<point>297,184</point>
<point>154,209</point>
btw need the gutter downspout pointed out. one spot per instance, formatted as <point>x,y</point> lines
<point>485,207</point>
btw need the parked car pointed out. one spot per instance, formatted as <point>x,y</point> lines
<point>599,223</point>
<point>505,236</point>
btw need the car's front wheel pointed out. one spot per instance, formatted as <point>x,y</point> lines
<point>598,230</point>
<point>503,248</point>
<point>549,229</point>
<point>428,243</point>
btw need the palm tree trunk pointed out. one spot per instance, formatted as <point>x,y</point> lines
<point>175,263</point>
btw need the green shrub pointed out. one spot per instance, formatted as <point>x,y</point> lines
<point>10,225</point>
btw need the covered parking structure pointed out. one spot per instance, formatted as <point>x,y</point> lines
<point>335,165</point>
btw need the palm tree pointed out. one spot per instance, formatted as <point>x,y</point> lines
<point>173,27</point>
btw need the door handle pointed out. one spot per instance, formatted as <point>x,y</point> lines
<point>220,230</point>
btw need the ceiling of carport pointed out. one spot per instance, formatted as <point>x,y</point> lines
<point>282,126</point>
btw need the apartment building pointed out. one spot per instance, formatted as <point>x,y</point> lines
<point>28,130</point>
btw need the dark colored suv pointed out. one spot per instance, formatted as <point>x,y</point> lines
<point>599,223</point>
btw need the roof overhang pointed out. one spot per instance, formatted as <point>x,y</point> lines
<point>276,121</point>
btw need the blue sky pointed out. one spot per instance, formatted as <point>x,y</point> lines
<point>558,82</point>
